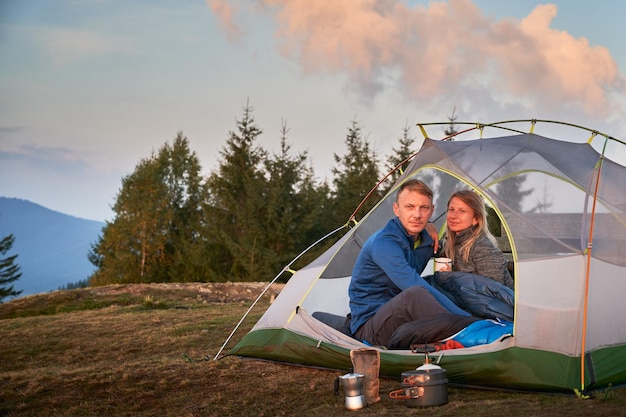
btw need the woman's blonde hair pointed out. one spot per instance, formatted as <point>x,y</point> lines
<point>476,204</point>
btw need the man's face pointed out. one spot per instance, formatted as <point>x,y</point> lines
<point>414,210</point>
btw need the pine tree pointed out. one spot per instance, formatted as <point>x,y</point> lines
<point>9,270</point>
<point>293,204</point>
<point>451,130</point>
<point>510,190</point>
<point>355,175</point>
<point>189,236</point>
<point>399,157</point>
<point>159,214</point>
<point>238,197</point>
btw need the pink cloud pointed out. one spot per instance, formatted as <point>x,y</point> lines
<point>439,49</point>
<point>224,12</point>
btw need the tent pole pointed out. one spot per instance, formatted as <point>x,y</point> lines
<point>588,269</point>
<point>287,268</point>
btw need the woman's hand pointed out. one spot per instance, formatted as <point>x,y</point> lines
<point>446,268</point>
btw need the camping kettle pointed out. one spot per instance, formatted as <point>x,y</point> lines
<point>426,386</point>
<point>353,390</point>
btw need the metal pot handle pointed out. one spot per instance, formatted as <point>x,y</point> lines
<point>399,394</point>
<point>409,393</point>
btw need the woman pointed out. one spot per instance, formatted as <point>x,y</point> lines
<point>469,243</point>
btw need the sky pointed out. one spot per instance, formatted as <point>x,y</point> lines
<point>88,88</point>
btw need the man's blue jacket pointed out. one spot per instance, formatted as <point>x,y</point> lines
<point>387,264</point>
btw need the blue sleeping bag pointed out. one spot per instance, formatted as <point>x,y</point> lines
<point>483,332</point>
<point>480,296</point>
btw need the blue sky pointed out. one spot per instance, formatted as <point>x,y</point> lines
<point>88,88</point>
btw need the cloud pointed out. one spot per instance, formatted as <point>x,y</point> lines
<point>224,12</point>
<point>537,60</point>
<point>9,130</point>
<point>427,52</point>
<point>60,158</point>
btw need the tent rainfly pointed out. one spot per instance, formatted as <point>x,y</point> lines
<point>562,210</point>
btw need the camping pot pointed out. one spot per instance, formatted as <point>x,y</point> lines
<point>353,390</point>
<point>424,387</point>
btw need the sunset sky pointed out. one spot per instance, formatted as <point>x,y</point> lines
<point>89,87</point>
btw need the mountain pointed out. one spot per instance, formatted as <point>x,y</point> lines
<point>51,247</point>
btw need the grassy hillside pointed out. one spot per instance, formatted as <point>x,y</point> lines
<point>147,350</point>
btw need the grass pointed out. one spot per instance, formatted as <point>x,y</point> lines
<point>148,351</point>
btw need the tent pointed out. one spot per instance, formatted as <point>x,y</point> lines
<point>562,210</point>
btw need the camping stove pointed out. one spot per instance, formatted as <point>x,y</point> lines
<point>425,386</point>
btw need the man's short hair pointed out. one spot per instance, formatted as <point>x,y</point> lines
<point>418,186</point>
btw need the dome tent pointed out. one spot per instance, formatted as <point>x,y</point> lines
<point>562,210</point>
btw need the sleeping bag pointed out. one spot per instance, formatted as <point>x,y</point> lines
<point>480,296</point>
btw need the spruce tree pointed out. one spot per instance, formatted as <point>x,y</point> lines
<point>451,130</point>
<point>399,157</point>
<point>294,202</point>
<point>354,176</point>
<point>238,196</point>
<point>9,270</point>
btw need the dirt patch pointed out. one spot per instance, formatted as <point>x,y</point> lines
<point>133,294</point>
<point>215,292</point>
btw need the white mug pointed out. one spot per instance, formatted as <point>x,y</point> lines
<point>440,263</point>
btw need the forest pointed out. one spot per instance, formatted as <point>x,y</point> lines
<point>246,220</point>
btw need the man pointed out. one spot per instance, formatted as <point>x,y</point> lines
<point>387,290</point>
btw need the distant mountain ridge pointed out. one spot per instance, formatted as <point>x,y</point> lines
<point>52,247</point>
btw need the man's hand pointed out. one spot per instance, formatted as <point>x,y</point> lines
<point>432,231</point>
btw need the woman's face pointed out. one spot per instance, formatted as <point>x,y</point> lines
<point>460,216</point>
